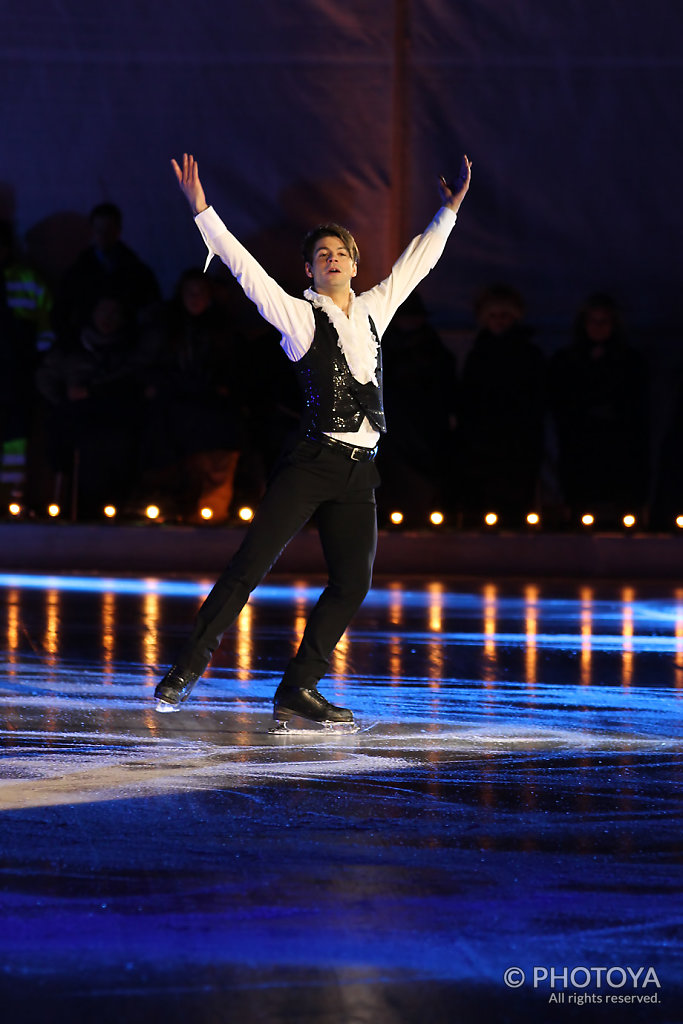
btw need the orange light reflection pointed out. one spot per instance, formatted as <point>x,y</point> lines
<point>435,652</point>
<point>13,629</point>
<point>51,634</point>
<point>627,596</point>
<point>490,666</point>
<point>150,632</point>
<point>586,635</point>
<point>678,661</point>
<point>108,636</point>
<point>531,630</point>
<point>245,643</point>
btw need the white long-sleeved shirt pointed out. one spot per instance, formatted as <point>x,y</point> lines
<point>294,318</point>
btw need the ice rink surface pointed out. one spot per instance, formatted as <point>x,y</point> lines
<point>501,841</point>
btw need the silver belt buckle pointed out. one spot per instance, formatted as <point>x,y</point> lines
<point>359,457</point>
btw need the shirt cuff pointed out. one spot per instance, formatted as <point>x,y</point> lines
<point>446,217</point>
<point>209,223</point>
<point>210,226</point>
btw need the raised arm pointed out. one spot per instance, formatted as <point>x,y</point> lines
<point>292,317</point>
<point>420,256</point>
<point>190,185</point>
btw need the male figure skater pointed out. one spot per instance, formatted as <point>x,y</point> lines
<point>333,338</point>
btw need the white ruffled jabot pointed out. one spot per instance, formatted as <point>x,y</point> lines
<point>356,339</point>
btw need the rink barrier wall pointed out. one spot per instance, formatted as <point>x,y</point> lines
<point>173,549</point>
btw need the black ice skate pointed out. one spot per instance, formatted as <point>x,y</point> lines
<point>174,688</point>
<point>296,702</point>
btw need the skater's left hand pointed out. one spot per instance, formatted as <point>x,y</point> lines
<point>453,195</point>
<point>187,176</point>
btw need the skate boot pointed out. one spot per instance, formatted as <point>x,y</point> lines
<point>174,688</point>
<point>308,703</point>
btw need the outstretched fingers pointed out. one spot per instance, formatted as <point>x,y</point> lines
<point>465,172</point>
<point>188,173</point>
<point>187,176</point>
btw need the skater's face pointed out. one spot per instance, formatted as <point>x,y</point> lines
<point>599,325</point>
<point>196,297</point>
<point>332,267</point>
<point>107,317</point>
<point>499,317</point>
<point>106,232</point>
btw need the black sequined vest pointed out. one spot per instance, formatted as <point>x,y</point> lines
<point>334,401</point>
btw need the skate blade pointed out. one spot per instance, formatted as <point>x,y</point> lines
<point>164,708</point>
<point>281,727</point>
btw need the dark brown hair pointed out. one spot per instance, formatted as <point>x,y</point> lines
<point>322,231</point>
<point>501,294</point>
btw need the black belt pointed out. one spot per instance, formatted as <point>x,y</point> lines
<point>358,453</point>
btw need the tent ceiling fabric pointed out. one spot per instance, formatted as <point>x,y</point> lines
<point>306,111</point>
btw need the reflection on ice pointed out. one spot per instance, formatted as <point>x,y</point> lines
<point>513,796</point>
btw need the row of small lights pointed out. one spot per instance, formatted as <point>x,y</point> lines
<point>246,514</point>
<point>533,519</point>
<point>152,512</point>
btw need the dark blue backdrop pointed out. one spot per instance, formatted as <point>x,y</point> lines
<point>311,109</point>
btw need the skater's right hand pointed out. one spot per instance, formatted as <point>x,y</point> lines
<point>190,185</point>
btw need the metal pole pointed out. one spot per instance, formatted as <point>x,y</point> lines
<point>401,128</point>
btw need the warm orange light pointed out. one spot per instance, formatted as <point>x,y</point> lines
<point>109,511</point>
<point>533,519</point>
<point>396,518</point>
<point>53,510</point>
<point>246,514</point>
<point>14,509</point>
<point>206,513</point>
<point>436,518</point>
<point>588,519</point>
<point>679,521</point>
<point>152,511</point>
<point>629,520</point>
<point>490,518</point>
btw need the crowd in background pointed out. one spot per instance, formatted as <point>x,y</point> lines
<point>111,395</point>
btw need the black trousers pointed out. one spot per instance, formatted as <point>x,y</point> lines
<point>311,480</point>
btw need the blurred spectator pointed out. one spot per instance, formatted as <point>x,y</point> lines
<point>192,431</point>
<point>502,412</point>
<point>420,404</point>
<point>599,400</point>
<point>25,331</point>
<point>667,502</point>
<point>108,266</point>
<point>92,392</point>
<point>270,397</point>
<point>25,294</point>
